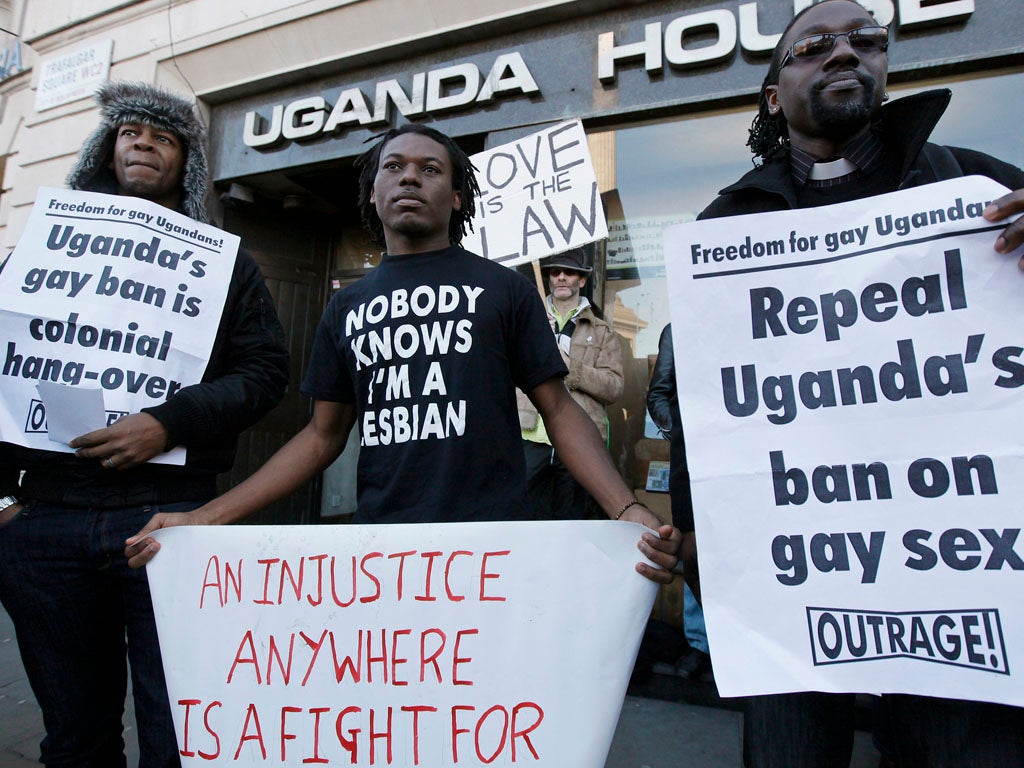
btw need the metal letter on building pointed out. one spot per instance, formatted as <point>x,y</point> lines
<point>724,24</point>
<point>917,12</point>
<point>608,52</point>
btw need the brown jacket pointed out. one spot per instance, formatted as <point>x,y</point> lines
<point>595,372</point>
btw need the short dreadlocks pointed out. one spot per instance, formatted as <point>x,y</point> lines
<point>463,180</point>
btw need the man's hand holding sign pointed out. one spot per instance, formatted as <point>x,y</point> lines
<point>128,442</point>
<point>1009,207</point>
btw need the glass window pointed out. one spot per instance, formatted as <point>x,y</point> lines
<point>656,174</point>
<point>985,114</point>
<point>664,173</point>
<point>651,176</point>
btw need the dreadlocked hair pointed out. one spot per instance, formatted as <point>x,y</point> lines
<point>463,180</point>
<point>769,134</point>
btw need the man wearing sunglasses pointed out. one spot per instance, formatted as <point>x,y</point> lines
<point>590,350</point>
<point>823,136</point>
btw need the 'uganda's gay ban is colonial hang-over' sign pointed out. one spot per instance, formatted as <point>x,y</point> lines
<point>111,293</point>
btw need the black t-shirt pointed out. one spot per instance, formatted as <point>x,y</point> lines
<point>430,347</point>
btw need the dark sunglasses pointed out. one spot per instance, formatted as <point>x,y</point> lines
<point>556,271</point>
<point>863,39</point>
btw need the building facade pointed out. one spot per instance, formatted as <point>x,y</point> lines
<point>292,90</point>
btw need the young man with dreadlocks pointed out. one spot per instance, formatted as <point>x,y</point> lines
<point>824,136</point>
<point>77,607</point>
<point>425,353</point>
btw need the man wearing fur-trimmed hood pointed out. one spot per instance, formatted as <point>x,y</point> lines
<point>124,104</point>
<point>77,607</point>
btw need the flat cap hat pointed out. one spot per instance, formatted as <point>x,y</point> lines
<point>569,260</point>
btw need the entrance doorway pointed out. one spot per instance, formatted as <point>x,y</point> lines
<point>292,248</point>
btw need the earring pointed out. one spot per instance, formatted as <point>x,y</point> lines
<point>885,95</point>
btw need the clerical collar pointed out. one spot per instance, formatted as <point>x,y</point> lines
<point>822,171</point>
<point>857,157</point>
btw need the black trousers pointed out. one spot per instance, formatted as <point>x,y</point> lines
<point>552,491</point>
<point>815,730</point>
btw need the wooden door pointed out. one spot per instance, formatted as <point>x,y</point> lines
<point>292,250</point>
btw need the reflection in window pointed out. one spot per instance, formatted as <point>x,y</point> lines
<point>662,174</point>
<point>985,114</point>
<point>657,174</point>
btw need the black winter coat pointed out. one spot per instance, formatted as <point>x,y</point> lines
<point>903,125</point>
<point>246,377</point>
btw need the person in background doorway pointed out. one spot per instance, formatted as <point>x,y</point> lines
<point>590,349</point>
<point>663,405</point>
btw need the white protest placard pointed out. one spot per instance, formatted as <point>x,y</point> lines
<point>851,382</point>
<point>538,197</point>
<point>460,644</point>
<point>112,293</point>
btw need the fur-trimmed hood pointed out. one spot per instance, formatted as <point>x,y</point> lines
<point>127,102</point>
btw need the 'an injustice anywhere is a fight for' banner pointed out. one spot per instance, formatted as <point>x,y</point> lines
<point>437,644</point>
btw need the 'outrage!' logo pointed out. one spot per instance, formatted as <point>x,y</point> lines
<point>970,638</point>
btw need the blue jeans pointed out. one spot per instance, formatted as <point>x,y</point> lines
<point>78,610</point>
<point>815,730</point>
<point>693,622</point>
